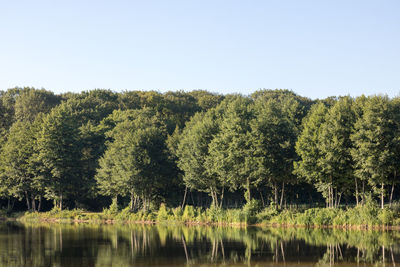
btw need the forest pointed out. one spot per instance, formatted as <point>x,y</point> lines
<point>143,149</point>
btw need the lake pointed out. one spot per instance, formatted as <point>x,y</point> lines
<point>176,245</point>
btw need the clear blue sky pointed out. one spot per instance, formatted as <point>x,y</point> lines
<point>315,48</point>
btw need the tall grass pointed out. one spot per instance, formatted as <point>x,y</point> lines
<point>367,215</point>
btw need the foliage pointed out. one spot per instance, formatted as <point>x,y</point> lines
<point>376,144</point>
<point>59,153</point>
<point>136,158</point>
<point>204,150</point>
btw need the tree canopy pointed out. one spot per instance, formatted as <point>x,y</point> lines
<point>147,147</point>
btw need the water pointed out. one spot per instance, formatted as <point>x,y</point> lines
<point>174,245</point>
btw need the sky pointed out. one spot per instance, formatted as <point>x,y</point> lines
<point>316,48</point>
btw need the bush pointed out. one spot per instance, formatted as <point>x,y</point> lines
<point>123,215</point>
<point>250,211</point>
<point>363,215</point>
<point>267,213</point>
<point>321,216</point>
<point>214,214</point>
<point>112,210</point>
<point>201,216</point>
<point>285,217</point>
<point>386,216</point>
<point>177,213</point>
<point>234,216</point>
<point>189,214</point>
<point>163,213</point>
<point>341,219</point>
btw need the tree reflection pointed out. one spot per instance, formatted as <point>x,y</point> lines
<point>151,245</point>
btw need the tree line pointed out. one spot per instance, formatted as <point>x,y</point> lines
<point>145,148</point>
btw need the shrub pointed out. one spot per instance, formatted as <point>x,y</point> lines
<point>201,216</point>
<point>214,214</point>
<point>234,216</point>
<point>177,213</point>
<point>285,217</point>
<point>250,211</point>
<point>386,216</point>
<point>113,209</point>
<point>267,213</point>
<point>123,215</point>
<point>323,216</point>
<point>163,213</point>
<point>341,219</point>
<point>189,214</point>
<point>366,214</point>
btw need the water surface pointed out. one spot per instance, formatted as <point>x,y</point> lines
<point>175,245</point>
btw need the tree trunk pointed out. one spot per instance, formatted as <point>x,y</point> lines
<point>332,197</point>
<point>276,194</point>
<point>391,195</point>
<point>61,201</point>
<point>262,199</point>
<point>40,203</point>
<point>355,180</point>
<point>212,196</point>
<point>382,195</point>
<point>282,194</point>
<point>336,198</point>
<point>248,193</point>
<point>340,197</point>
<point>184,198</point>
<point>363,192</point>
<point>214,200</point>
<point>329,196</point>
<point>222,197</point>
<point>33,203</point>
<point>328,200</point>
<point>28,204</point>
<point>135,203</point>
<point>132,203</point>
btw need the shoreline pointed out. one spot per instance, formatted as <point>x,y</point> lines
<point>197,223</point>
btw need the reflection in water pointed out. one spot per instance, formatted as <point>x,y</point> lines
<point>174,245</point>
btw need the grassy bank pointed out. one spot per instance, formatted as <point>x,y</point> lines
<point>365,216</point>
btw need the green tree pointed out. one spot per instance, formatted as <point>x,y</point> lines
<point>206,100</point>
<point>136,158</point>
<point>89,108</point>
<point>336,162</point>
<point>59,153</point>
<point>273,136</point>
<point>324,148</point>
<point>18,171</point>
<point>229,151</point>
<point>376,144</point>
<point>7,111</point>
<point>287,98</point>
<point>193,151</point>
<point>309,151</point>
<point>30,102</point>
